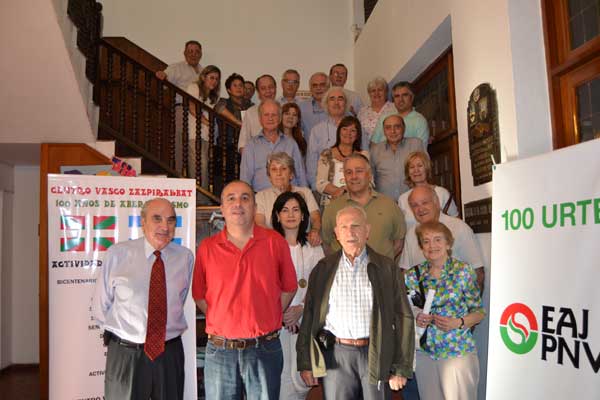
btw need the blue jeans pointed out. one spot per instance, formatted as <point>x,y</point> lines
<point>256,371</point>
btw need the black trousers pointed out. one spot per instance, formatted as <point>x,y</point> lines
<point>131,375</point>
<point>348,376</point>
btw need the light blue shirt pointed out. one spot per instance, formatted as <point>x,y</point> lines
<point>354,100</point>
<point>416,126</point>
<point>120,303</point>
<point>350,299</point>
<point>322,137</point>
<point>282,100</point>
<point>387,165</point>
<point>312,114</point>
<point>253,169</point>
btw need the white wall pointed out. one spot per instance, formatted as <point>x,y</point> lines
<point>251,38</point>
<point>40,99</point>
<point>20,286</point>
<point>392,36</point>
<point>494,41</point>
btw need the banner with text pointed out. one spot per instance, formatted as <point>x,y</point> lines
<point>86,215</point>
<point>544,337</point>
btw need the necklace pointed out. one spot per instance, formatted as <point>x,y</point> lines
<point>302,281</point>
<point>342,154</point>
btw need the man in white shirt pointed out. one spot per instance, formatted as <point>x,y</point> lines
<point>356,310</point>
<point>184,73</point>
<point>138,302</point>
<point>251,127</point>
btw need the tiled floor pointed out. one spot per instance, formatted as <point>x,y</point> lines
<point>20,383</point>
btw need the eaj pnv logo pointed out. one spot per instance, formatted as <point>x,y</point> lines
<point>528,336</point>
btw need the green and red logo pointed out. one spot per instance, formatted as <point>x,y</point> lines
<point>528,337</point>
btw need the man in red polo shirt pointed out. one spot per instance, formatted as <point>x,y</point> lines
<point>243,280</point>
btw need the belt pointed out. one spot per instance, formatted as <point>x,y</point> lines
<point>241,344</point>
<point>353,342</point>
<point>133,345</point>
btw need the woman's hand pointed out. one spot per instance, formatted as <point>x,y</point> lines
<point>446,323</point>
<point>338,192</point>
<point>314,238</point>
<point>292,315</point>
<point>424,319</point>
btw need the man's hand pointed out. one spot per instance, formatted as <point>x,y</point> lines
<point>397,382</point>
<point>161,75</point>
<point>309,379</point>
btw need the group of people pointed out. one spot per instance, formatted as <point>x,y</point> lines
<point>336,246</point>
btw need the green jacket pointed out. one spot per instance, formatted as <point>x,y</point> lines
<point>392,335</point>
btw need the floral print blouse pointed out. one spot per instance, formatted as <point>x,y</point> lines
<point>456,295</point>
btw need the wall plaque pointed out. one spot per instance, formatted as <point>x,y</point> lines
<point>484,137</point>
<point>478,215</point>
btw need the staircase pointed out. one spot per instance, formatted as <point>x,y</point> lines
<point>147,118</point>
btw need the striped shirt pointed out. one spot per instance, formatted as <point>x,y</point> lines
<point>350,299</point>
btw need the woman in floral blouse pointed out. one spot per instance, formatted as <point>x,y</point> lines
<point>447,366</point>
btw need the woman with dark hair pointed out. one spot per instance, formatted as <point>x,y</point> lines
<point>233,106</point>
<point>447,366</point>
<point>330,169</point>
<point>290,218</point>
<point>206,90</point>
<point>291,118</point>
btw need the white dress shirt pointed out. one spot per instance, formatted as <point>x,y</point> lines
<point>120,303</point>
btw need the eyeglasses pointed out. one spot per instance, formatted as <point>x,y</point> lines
<point>291,81</point>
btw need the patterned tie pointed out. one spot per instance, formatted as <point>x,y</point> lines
<point>157,310</point>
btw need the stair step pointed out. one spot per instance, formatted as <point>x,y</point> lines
<point>153,176</point>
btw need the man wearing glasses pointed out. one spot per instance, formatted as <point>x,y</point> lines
<point>312,112</point>
<point>290,82</point>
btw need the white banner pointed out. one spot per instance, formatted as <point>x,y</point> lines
<point>86,215</point>
<point>544,338</point>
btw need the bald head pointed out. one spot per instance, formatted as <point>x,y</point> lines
<point>425,204</point>
<point>352,230</point>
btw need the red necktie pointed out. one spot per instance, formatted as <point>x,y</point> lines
<point>157,310</point>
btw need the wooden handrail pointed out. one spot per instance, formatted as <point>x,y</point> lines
<point>166,83</point>
<point>142,113</point>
